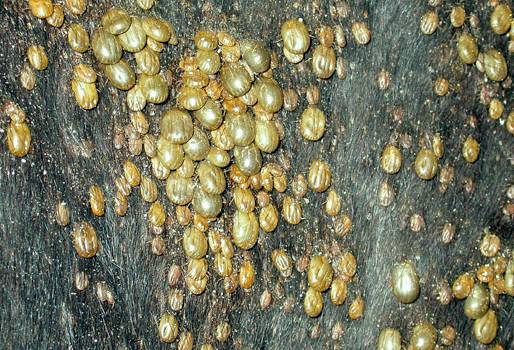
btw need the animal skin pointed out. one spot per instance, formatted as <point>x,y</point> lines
<point>73,149</point>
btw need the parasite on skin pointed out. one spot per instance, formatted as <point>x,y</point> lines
<point>383,79</point>
<point>426,164</point>
<point>37,57</point>
<point>85,240</point>
<point>96,200</point>
<point>448,335</point>
<point>255,55</point>
<point>291,210</point>
<point>340,36</point>
<point>62,214</point>
<point>86,94</point>
<point>206,204</point>
<point>197,268</point>
<point>120,204</point>
<point>462,286</point>
<point>423,337</point>
<point>290,100</point>
<point>467,49</point>
<point>244,199</point>
<point>145,4</point>
<point>147,61</point>
<point>156,29</point>
<point>282,262</point>
<point>269,95</point>
<point>405,282</point>
<point>134,39</point>
<point>210,115</point>
<point>299,186</point>
<point>158,246</point>
<point>136,100</point>
<point>312,123</point>
<point>486,327</point>
<point>417,222</point>
<point>106,47</point>
<point>176,126</point>
<point>205,40</point>
<point>448,233</point>
<point>235,79</point>
<point>76,7</point>
<point>342,225</point>
<point>496,109</point>
<point>245,230</point>
<point>248,159</point>
<point>223,331</point>
<point>320,273</point>
<point>103,293</point>
<point>156,214</point>
<point>333,203</point>
<point>338,291</point>
<point>154,45</point>
<point>116,21</point>
<point>19,139</point>
<point>323,62</point>
<point>194,243</point>
<point>295,36</point>
<point>320,176</point>
<point>246,274</point>
<point>56,19</point>
<point>176,299</point>
<point>361,33</point>
<point>490,245</point>
<point>391,159</point>
<point>241,128</point>
<point>266,136</point>
<point>495,65</point>
<point>27,77</point>
<point>386,194</point>
<point>84,73</point>
<point>438,146</point>
<point>191,99</point>
<point>429,22</point>
<point>457,16</point>
<point>41,8</point>
<point>209,62</point>
<point>131,173</point>
<point>341,68</point>
<point>154,88</point>
<point>441,87</point>
<point>120,75</point>
<point>185,341</point>
<point>389,339</point>
<point>222,265</point>
<point>509,124</point>
<point>81,280</point>
<point>312,94</point>
<point>346,266</point>
<point>501,18</point>
<point>174,275</point>
<point>268,218</point>
<point>356,309</point>
<point>78,38</point>
<point>183,215</point>
<point>187,169</point>
<point>198,145</point>
<point>313,302</point>
<point>168,328</point>
<point>477,302</point>
<point>470,150</point>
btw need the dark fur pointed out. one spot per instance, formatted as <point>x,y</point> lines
<point>40,309</point>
